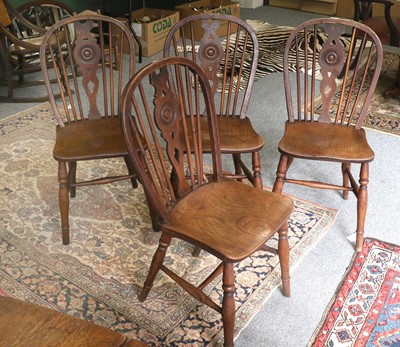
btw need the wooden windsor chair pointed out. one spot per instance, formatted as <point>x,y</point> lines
<point>186,189</point>
<point>325,113</point>
<point>88,126</point>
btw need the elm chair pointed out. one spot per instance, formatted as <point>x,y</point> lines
<point>21,33</point>
<point>88,126</point>
<point>330,130</point>
<point>186,189</point>
<point>226,47</point>
<point>387,27</point>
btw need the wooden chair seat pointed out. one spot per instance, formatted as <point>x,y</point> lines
<point>237,135</point>
<point>208,212</point>
<point>27,324</point>
<point>326,141</point>
<point>98,138</point>
<point>27,48</point>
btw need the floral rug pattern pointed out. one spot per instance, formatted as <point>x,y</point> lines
<point>366,309</point>
<point>97,277</point>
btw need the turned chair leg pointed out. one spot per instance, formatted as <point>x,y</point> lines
<point>72,178</point>
<point>64,200</point>
<point>256,163</point>
<point>283,252</point>
<point>228,303</point>
<point>236,162</point>
<point>283,166</point>
<point>346,181</point>
<point>155,266</point>
<point>362,202</point>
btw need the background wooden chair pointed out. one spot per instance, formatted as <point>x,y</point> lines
<point>226,47</point>
<point>387,27</point>
<point>193,201</point>
<point>21,32</point>
<point>88,126</point>
<point>26,324</point>
<point>328,130</point>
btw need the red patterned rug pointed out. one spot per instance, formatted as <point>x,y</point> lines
<point>365,312</point>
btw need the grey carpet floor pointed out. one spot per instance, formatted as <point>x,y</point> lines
<point>289,322</point>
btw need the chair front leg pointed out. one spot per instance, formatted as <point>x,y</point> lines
<point>283,252</point>
<point>362,202</point>
<point>155,266</point>
<point>63,199</point>
<point>283,166</point>
<point>228,303</point>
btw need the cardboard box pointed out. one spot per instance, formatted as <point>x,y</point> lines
<point>345,9</point>
<point>152,34</point>
<point>326,7</point>
<point>292,4</point>
<point>208,6</point>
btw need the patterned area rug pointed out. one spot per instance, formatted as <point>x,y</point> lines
<point>98,276</point>
<point>366,309</point>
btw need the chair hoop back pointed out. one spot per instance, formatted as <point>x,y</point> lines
<point>336,59</point>
<point>86,52</point>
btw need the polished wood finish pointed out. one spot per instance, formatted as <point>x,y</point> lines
<point>184,183</point>
<point>387,28</point>
<point>21,34</point>
<point>90,78</point>
<point>330,132</point>
<point>26,324</point>
<point>225,66</point>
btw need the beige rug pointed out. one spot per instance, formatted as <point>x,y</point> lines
<point>97,277</point>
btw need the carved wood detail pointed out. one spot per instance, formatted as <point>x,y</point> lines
<point>87,55</point>
<point>331,60</point>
